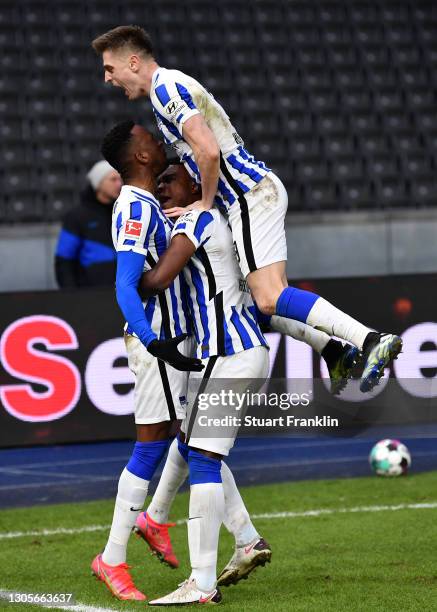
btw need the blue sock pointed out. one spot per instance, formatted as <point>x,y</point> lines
<point>203,469</point>
<point>295,303</point>
<point>183,448</point>
<point>146,457</point>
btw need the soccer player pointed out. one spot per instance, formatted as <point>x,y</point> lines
<point>200,131</point>
<point>177,189</point>
<point>231,346</point>
<point>153,332</point>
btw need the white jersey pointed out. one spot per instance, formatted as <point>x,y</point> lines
<point>139,225</point>
<point>221,307</point>
<point>175,98</point>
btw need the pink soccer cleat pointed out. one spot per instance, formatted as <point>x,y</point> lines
<point>157,537</point>
<point>117,579</point>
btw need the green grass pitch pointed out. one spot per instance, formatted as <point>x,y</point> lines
<point>353,561</point>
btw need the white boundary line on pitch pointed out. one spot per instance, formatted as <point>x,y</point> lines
<point>79,607</point>
<point>268,515</point>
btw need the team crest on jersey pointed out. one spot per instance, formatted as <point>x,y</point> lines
<point>133,228</point>
<point>183,400</point>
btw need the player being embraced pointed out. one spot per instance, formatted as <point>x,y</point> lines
<point>200,131</point>
<point>231,346</point>
<point>153,331</point>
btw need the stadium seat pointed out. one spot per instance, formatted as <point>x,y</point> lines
<point>407,141</point>
<point>330,123</point>
<point>393,121</point>
<point>25,205</point>
<point>355,100</point>
<point>59,201</point>
<point>426,121</point>
<point>19,175</point>
<point>47,127</point>
<point>356,194</point>
<point>304,147</point>
<point>321,195</point>
<point>299,122</point>
<point>339,145</point>
<point>70,12</point>
<point>52,151</point>
<point>342,55</point>
<point>391,193</point>
<point>347,168</point>
<point>373,143</point>
<point>382,167</point>
<point>305,36</point>
<point>423,191</point>
<point>311,168</point>
<point>417,165</point>
<point>364,122</point>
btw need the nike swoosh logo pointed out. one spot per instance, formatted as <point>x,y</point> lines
<point>194,517</point>
<point>135,509</point>
<point>247,549</point>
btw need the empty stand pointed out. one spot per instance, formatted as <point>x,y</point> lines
<point>338,97</point>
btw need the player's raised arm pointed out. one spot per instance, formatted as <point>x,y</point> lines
<point>174,106</point>
<point>207,155</point>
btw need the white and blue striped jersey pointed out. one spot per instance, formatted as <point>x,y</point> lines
<point>175,98</point>
<point>221,307</point>
<point>139,225</point>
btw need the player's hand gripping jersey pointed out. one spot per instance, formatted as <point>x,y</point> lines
<point>221,307</point>
<point>255,199</point>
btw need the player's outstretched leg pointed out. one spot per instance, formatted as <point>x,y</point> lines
<point>307,307</point>
<point>251,550</point>
<point>207,506</point>
<point>110,567</point>
<point>340,359</point>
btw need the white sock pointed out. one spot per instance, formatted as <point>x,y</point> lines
<point>173,475</point>
<point>236,520</point>
<point>207,508</point>
<point>316,338</point>
<point>132,492</point>
<point>326,317</point>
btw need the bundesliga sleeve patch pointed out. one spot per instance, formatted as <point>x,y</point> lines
<point>133,228</point>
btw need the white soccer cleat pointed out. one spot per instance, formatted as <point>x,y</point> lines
<point>244,560</point>
<point>188,593</point>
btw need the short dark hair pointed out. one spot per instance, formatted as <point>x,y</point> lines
<point>115,144</point>
<point>129,36</point>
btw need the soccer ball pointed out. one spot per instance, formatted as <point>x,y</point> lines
<point>389,458</point>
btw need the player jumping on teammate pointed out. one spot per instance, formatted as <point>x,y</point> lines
<point>200,131</point>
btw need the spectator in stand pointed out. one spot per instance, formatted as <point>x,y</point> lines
<point>85,256</point>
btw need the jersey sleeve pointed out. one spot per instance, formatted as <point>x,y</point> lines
<point>197,225</point>
<point>173,100</point>
<point>134,225</point>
